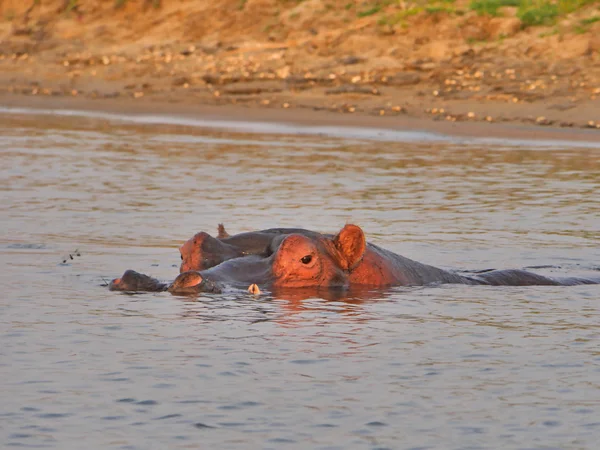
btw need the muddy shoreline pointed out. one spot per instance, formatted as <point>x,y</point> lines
<point>299,117</point>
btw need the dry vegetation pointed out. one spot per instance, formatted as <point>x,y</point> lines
<point>536,61</point>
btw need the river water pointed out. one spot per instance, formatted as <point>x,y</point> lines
<point>448,367</point>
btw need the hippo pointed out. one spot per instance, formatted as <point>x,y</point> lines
<point>134,281</point>
<point>315,260</point>
<point>234,256</point>
<point>187,283</point>
<point>202,251</point>
<point>376,267</point>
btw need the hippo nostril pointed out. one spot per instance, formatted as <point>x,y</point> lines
<point>306,259</point>
<point>186,280</point>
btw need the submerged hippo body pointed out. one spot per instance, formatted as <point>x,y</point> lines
<point>377,267</point>
<point>345,260</point>
<point>306,259</point>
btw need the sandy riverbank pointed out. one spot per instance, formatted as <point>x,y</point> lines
<point>244,118</point>
<point>306,61</point>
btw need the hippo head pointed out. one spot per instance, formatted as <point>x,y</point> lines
<point>135,281</point>
<point>191,282</point>
<point>203,251</point>
<point>307,261</point>
<point>312,261</point>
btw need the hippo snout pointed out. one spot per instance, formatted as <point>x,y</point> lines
<point>115,284</point>
<point>190,283</point>
<point>135,281</point>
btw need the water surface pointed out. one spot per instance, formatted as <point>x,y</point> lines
<point>448,367</point>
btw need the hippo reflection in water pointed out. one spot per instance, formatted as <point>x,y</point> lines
<point>303,258</point>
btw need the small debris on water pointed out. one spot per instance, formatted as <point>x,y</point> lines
<point>71,256</point>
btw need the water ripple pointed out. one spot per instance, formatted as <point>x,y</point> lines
<point>421,368</point>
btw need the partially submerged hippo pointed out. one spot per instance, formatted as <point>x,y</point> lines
<point>187,283</point>
<point>376,266</point>
<point>320,261</point>
<point>135,281</point>
<point>202,251</point>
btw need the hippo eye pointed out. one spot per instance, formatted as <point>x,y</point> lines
<point>306,259</point>
<point>181,257</point>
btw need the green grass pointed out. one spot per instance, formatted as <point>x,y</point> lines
<point>369,12</point>
<point>531,12</point>
<point>545,12</point>
<point>534,13</point>
<point>400,16</point>
<point>72,5</point>
<point>418,6</point>
<point>374,6</point>
<point>584,24</point>
<point>590,20</point>
<point>490,7</point>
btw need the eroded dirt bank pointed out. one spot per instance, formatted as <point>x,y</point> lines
<point>442,64</point>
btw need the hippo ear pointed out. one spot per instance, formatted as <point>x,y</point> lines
<point>222,233</point>
<point>351,244</point>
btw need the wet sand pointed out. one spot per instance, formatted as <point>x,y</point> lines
<point>279,120</point>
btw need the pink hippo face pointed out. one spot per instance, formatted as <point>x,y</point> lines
<point>309,261</point>
<point>299,261</point>
<point>203,251</point>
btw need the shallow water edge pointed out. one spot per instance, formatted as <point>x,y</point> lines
<point>449,367</point>
<point>300,121</point>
